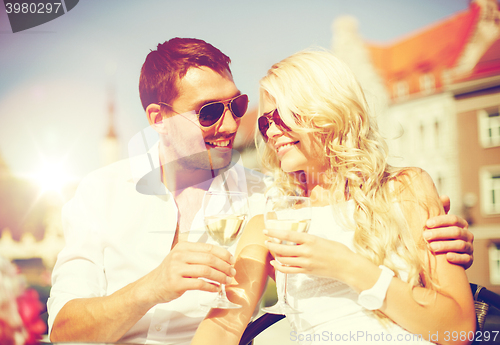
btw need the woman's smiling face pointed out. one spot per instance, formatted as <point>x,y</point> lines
<point>296,151</point>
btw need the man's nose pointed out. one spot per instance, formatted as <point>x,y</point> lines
<point>228,124</point>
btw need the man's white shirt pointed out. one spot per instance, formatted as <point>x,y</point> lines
<point>119,227</point>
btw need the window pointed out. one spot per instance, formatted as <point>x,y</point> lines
<point>494,256</point>
<point>490,190</point>
<point>439,184</point>
<point>489,127</point>
<point>401,89</point>
<point>423,143</point>
<point>437,134</point>
<point>427,83</point>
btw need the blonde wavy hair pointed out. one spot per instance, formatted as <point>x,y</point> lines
<point>317,93</point>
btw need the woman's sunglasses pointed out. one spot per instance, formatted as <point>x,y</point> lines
<point>210,113</point>
<point>265,123</point>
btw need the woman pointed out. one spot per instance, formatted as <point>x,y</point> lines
<point>367,225</point>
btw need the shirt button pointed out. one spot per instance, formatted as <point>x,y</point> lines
<point>158,328</point>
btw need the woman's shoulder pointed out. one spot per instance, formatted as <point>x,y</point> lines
<point>415,190</point>
<point>413,179</point>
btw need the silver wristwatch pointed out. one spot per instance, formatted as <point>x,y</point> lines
<point>373,298</point>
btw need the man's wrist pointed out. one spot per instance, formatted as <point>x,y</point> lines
<point>141,296</point>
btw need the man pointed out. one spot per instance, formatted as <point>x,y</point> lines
<point>134,251</point>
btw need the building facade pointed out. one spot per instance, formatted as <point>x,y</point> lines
<point>436,94</point>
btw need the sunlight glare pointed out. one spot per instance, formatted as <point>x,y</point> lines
<point>52,176</point>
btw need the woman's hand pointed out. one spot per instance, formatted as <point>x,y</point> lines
<point>312,255</point>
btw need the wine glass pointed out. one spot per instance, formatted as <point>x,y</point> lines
<point>292,213</point>
<point>224,214</point>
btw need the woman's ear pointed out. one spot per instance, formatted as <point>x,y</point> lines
<point>155,118</point>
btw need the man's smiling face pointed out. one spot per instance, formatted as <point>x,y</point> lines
<point>200,86</point>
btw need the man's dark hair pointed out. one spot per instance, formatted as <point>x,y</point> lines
<point>170,62</point>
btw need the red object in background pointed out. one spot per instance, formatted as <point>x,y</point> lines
<point>6,333</point>
<point>30,308</point>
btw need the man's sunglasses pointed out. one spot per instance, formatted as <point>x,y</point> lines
<point>210,113</point>
<point>265,123</point>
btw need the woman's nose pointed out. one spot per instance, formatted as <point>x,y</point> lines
<point>273,130</point>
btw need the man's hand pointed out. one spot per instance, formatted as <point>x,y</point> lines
<point>108,318</point>
<point>180,270</point>
<point>450,234</point>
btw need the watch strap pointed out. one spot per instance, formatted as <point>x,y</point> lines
<point>374,297</point>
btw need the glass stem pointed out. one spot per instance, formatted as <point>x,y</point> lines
<point>284,288</point>
<point>222,292</point>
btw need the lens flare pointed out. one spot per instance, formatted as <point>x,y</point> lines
<point>52,177</point>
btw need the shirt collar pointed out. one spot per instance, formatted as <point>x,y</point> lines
<point>146,174</point>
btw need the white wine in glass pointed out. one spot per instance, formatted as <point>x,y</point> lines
<point>288,225</point>
<point>224,214</point>
<point>290,213</point>
<point>224,229</point>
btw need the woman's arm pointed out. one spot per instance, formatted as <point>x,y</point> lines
<point>225,326</point>
<point>450,306</point>
<point>420,310</point>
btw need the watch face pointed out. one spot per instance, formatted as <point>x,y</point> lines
<point>370,302</point>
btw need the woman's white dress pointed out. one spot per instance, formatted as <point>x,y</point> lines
<point>330,312</point>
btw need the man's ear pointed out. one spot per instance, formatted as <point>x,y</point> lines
<point>155,118</point>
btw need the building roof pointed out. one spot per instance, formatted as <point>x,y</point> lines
<point>428,51</point>
<point>488,65</point>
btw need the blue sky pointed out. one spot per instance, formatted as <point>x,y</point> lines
<point>54,78</point>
